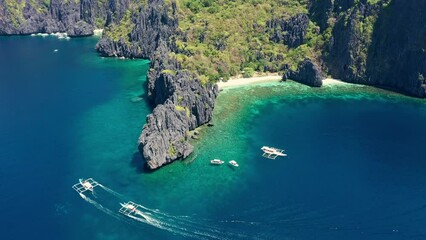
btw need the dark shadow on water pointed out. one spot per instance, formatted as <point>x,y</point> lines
<point>139,163</point>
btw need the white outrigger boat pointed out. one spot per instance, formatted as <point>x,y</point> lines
<point>272,153</point>
<point>216,162</point>
<point>234,163</point>
<point>85,185</point>
<point>131,209</point>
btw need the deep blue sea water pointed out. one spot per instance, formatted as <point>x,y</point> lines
<point>356,164</point>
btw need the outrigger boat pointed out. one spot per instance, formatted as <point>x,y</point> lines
<point>272,153</point>
<point>234,163</point>
<point>85,185</point>
<point>131,209</point>
<point>216,162</point>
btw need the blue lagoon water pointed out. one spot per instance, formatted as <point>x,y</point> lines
<point>355,168</point>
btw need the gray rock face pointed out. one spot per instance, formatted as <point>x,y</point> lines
<point>397,55</point>
<point>393,57</point>
<point>290,32</point>
<point>348,46</point>
<point>183,104</point>
<point>81,29</point>
<point>153,24</point>
<point>121,48</point>
<point>320,11</point>
<point>77,18</point>
<point>307,73</point>
<point>164,136</point>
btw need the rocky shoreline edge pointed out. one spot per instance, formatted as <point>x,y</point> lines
<point>181,102</point>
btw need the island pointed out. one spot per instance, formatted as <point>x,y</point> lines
<point>193,44</point>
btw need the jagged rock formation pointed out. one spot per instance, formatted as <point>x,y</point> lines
<point>81,29</point>
<point>350,43</point>
<point>397,56</point>
<point>181,102</point>
<point>152,23</point>
<point>307,73</point>
<point>320,12</point>
<point>289,31</point>
<point>77,18</point>
<point>378,43</point>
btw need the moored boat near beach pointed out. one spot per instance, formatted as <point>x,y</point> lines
<point>234,163</point>
<point>272,153</point>
<point>216,162</point>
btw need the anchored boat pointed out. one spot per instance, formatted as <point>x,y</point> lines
<point>216,162</point>
<point>234,163</point>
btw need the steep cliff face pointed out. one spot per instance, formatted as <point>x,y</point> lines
<point>397,55</point>
<point>379,43</point>
<point>349,44</point>
<point>289,31</point>
<point>181,102</point>
<point>307,73</point>
<point>138,35</point>
<point>77,18</point>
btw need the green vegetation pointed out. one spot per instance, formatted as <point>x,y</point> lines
<point>225,38</point>
<point>170,72</point>
<point>183,109</point>
<point>14,9</point>
<point>123,29</point>
<point>179,108</point>
<point>248,72</point>
<point>172,150</point>
<point>188,112</point>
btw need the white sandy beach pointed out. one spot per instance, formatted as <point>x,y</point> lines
<point>269,78</point>
<point>332,81</point>
<point>247,81</point>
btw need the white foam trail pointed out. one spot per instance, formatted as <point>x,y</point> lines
<point>163,226</point>
<point>111,191</point>
<point>100,207</point>
<point>182,225</point>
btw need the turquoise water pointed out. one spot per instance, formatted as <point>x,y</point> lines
<point>355,167</point>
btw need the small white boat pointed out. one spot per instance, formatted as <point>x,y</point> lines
<point>216,162</point>
<point>234,163</point>
<point>131,209</point>
<point>272,153</point>
<point>85,185</point>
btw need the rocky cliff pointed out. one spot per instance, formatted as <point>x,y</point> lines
<point>375,42</point>
<point>139,34</point>
<point>182,104</point>
<point>181,101</point>
<point>307,72</point>
<point>379,43</point>
<point>77,18</point>
<point>290,32</point>
<point>397,55</point>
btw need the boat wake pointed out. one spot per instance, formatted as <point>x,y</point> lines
<point>109,202</point>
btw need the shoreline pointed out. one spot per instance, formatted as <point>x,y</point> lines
<point>238,82</point>
<point>332,81</point>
